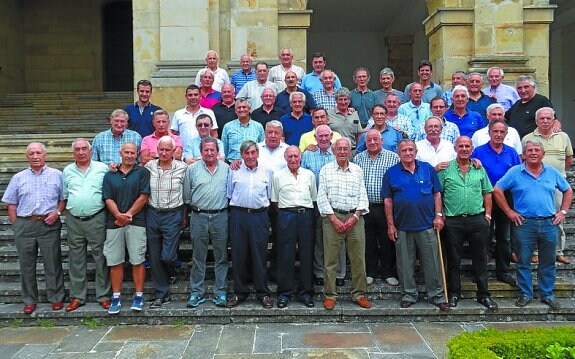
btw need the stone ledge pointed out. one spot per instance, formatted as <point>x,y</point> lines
<point>448,17</point>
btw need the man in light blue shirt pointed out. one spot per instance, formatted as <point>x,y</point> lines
<point>239,130</point>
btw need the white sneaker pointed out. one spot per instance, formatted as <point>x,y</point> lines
<point>392,281</point>
<point>369,280</point>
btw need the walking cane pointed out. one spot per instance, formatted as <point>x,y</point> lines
<point>442,268</point>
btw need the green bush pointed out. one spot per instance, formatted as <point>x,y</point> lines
<point>528,344</point>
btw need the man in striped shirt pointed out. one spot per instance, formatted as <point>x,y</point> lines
<point>165,218</point>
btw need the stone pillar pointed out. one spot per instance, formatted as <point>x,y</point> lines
<point>477,34</point>
<point>293,22</point>
<point>183,38</point>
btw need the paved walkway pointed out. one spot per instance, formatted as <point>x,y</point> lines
<point>271,340</point>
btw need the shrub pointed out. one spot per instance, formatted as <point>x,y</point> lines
<point>529,344</point>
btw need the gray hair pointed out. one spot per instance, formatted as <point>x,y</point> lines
<point>167,139</point>
<point>38,144</point>
<point>475,74</point>
<point>545,109</point>
<point>118,112</point>
<point>323,126</point>
<point>462,73</point>
<point>460,88</point>
<point>406,140</point>
<point>296,93</point>
<point>209,139</point>
<point>276,124</point>
<point>493,106</point>
<point>528,78</point>
<point>387,71</point>
<point>434,118</point>
<point>347,140</point>
<point>81,139</point>
<point>495,68</point>
<point>342,92</point>
<point>202,72</point>
<point>292,146</point>
<point>494,122</point>
<point>246,146</point>
<point>160,113</point>
<point>534,143</point>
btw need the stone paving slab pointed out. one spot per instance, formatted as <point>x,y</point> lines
<point>243,341</point>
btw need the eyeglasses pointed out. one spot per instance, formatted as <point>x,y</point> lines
<point>342,149</point>
<point>203,124</point>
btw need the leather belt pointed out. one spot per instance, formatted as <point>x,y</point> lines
<point>251,210</point>
<point>36,218</point>
<point>540,218</point>
<point>164,210</point>
<point>344,211</point>
<point>209,211</point>
<point>296,209</point>
<point>87,218</point>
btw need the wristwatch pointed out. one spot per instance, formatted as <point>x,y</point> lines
<point>439,214</point>
<point>564,212</point>
<point>58,213</point>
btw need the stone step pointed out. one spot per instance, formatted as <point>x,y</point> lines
<point>176,313</point>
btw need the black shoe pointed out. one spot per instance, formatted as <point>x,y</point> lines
<point>282,302</point>
<point>488,303</point>
<point>340,282</point>
<point>267,302</point>
<point>405,304</point>
<point>307,300</point>
<point>173,279</point>
<point>508,279</point>
<point>552,302</point>
<point>522,301</point>
<point>453,300</point>
<point>319,281</point>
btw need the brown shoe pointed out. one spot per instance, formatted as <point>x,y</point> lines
<point>267,302</point>
<point>363,302</point>
<point>563,259</point>
<point>513,257</point>
<point>535,259</point>
<point>105,304</point>
<point>329,303</point>
<point>74,304</point>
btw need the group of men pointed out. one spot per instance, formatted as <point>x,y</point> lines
<point>376,175</point>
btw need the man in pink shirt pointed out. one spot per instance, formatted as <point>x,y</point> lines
<point>161,122</point>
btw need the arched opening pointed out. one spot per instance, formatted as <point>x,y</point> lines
<point>375,34</point>
<point>117,46</point>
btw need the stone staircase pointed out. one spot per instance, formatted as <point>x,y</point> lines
<point>68,116</point>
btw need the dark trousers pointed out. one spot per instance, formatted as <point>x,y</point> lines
<point>379,249</point>
<point>273,252</point>
<point>249,240</point>
<point>295,229</point>
<point>474,229</point>
<point>30,235</point>
<point>502,232</point>
<point>163,233</point>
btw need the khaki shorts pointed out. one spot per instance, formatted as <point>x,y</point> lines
<point>132,237</point>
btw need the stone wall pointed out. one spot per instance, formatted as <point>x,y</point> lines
<point>11,47</point>
<point>63,45</point>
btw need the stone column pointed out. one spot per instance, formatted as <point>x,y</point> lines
<point>184,38</point>
<point>293,22</point>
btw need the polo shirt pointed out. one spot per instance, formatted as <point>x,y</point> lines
<point>204,189</point>
<point>521,116</point>
<point>263,117</point>
<point>417,114</point>
<point>481,137</point>
<point>124,189</point>
<point>533,196</point>
<point>347,125</point>
<point>468,123</point>
<point>380,96</point>
<point>294,127</point>
<point>463,195</point>
<point>363,103</point>
<point>150,142</point>
<point>282,101</point>
<point>140,119</point>
<point>308,138</point>
<point>557,147</point>
<point>429,93</point>
<point>224,114</point>
<point>496,164</point>
<point>412,194</point>
<point>213,97</point>
<point>480,106</point>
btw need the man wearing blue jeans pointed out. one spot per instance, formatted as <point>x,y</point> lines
<point>532,186</point>
<point>205,187</point>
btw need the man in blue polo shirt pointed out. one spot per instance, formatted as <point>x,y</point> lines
<point>532,186</point>
<point>467,121</point>
<point>413,208</point>
<point>141,113</point>
<point>297,122</point>
<point>497,158</point>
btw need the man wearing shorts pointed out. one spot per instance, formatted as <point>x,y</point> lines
<point>126,193</point>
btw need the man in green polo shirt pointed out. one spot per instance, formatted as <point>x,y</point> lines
<point>467,207</point>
